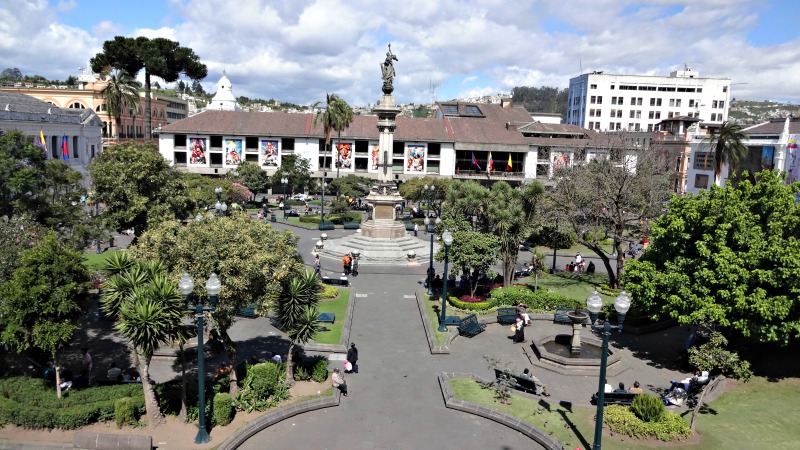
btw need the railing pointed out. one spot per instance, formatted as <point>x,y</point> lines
<point>482,174</point>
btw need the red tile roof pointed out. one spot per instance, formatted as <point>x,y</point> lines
<point>775,126</point>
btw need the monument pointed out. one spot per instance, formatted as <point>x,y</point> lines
<point>382,238</point>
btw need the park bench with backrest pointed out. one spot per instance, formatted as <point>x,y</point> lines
<point>507,315</point>
<point>323,226</point>
<point>519,382</point>
<point>560,316</point>
<point>615,398</point>
<point>469,326</point>
<point>336,281</point>
<point>351,225</point>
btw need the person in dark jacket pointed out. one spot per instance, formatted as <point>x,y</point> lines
<point>352,356</point>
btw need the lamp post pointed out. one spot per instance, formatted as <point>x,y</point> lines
<point>431,231</point>
<point>322,202</point>
<point>213,286</point>
<point>594,303</point>
<point>284,182</point>
<point>555,234</point>
<point>221,207</point>
<point>448,241</point>
<point>98,250</point>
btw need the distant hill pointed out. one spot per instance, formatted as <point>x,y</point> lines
<point>747,112</point>
<point>543,99</point>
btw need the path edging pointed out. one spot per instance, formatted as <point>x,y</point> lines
<point>429,334</point>
<point>341,347</point>
<point>451,402</point>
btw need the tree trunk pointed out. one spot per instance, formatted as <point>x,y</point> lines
<point>184,398</point>
<point>612,277</point>
<point>289,365</point>
<point>57,367</point>
<point>699,404</point>
<point>154,416</point>
<point>118,125</point>
<point>230,346</point>
<point>148,113</point>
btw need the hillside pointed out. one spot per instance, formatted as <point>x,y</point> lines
<point>747,112</point>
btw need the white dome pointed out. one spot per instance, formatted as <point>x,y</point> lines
<point>224,99</point>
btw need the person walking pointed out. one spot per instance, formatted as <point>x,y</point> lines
<point>519,334</point>
<point>317,266</point>
<point>354,266</point>
<point>352,356</point>
<point>337,380</point>
<point>416,229</point>
<point>346,264</point>
<point>87,362</point>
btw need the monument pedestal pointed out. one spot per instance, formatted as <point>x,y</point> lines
<point>383,198</point>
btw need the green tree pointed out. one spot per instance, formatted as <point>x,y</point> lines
<point>297,170</point>
<point>22,181</point>
<point>728,147</point>
<point>251,176</point>
<point>44,300</point>
<point>351,186</point>
<point>422,111</point>
<point>296,308</point>
<point>728,256</point>
<point>336,116</point>
<point>121,94</point>
<point>197,88</point>
<point>251,259</point>
<point>158,57</point>
<point>412,190</point>
<point>473,253</point>
<point>470,201</point>
<point>181,86</point>
<point>138,187</point>
<point>16,236</point>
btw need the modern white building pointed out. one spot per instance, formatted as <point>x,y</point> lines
<point>607,102</point>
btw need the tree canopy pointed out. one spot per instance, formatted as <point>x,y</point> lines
<point>296,169</point>
<point>121,93</point>
<point>541,99</point>
<point>728,256</point>
<point>251,176</point>
<point>351,186</point>
<point>336,116</point>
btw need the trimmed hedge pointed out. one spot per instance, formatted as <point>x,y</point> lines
<point>223,409</point>
<point>538,302</point>
<point>124,413</point>
<point>620,419</point>
<point>32,403</point>
<point>337,219</point>
<point>468,306</point>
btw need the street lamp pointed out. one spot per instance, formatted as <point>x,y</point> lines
<point>98,250</point>
<point>431,231</point>
<point>322,202</point>
<point>213,286</point>
<point>448,241</point>
<point>594,303</point>
<point>221,207</point>
<point>555,236</point>
<point>284,182</point>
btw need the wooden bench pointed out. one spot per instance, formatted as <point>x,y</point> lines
<point>507,315</point>
<point>520,383</point>
<point>615,398</point>
<point>469,326</point>
<point>351,225</point>
<point>336,281</point>
<point>561,316</point>
<point>326,226</point>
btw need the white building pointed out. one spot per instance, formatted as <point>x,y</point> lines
<point>224,100</point>
<point>607,102</point>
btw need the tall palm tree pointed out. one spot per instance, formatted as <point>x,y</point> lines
<point>727,147</point>
<point>297,312</point>
<point>336,117</point>
<point>121,94</point>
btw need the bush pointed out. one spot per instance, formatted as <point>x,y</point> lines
<point>320,371</point>
<point>338,206</point>
<point>301,372</point>
<point>261,387</point>
<point>328,291</point>
<point>620,419</point>
<point>648,408</point>
<point>472,299</point>
<point>223,409</point>
<point>123,412</point>
<point>337,219</point>
<point>480,306</point>
<point>538,302</point>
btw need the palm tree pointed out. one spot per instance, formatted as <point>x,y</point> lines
<point>121,94</point>
<point>297,312</point>
<point>727,147</point>
<point>329,119</point>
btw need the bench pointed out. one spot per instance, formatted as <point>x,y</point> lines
<point>351,225</point>
<point>615,398</point>
<point>326,226</point>
<point>326,317</point>
<point>561,316</point>
<point>248,311</point>
<point>409,226</point>
<point>507,315</point>
<point>113,382</point>
<point>91,441</point>
<point>519,383</point>
<point>336,281</point>
<point>469,326</point>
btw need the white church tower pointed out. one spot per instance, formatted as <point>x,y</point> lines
<point>224,100</point>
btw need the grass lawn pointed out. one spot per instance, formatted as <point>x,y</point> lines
<point>337,306</point>
<point>433,308</point>
<point>753,416</point>
<point>574,285</point>
<point>296,221</point>
<point>95,261</point>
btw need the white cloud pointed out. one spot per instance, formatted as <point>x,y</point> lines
<point>106,30</point>
<point>65,6</point>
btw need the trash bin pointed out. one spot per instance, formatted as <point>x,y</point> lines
<point>272,218</point>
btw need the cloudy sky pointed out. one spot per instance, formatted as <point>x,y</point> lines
<point>297,50</point>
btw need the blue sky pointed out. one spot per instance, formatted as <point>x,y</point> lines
<point>297,50</point>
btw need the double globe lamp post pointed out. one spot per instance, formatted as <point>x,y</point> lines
<point>221,207</point>
<point>284,182</point>
<point>447,238</point>
<point>594,303</point>
<point>429,190</point>
<point>213,286</point>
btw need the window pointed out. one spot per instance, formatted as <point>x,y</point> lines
<point>593,99</point>
<point>76,105</point>
<point>592,86</point>
<point>287,143</point>
<point>658,114</point>
<point>619,126</point>
<point>638,114</point>
<point>74,146</point>
<point>613,100</point>
<point>699,90</point>
<point>599,99</point>
<point>637,127</point>
<point>650,127</point>
<point>633,113</point>
<point>672,103</point>
<point>658,102</point>
<point>691,103</point>
<point>721,104</point>
<point>630,125</point>
<point>714,104</point>
<point>652,102</point>
<point>724,88</point>
<point>472,110</point>
<point>678,103</point>
<point>669,115</point>
<point>701,181</point>
<point>450,109</point>
<point>591,125</point>
<point>612,87</point>
<point>703,160</point>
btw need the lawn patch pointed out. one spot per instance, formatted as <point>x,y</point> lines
<point>338,306</point>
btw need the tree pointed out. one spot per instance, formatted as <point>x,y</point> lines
<point>296,308</point>
<point>16,236</point>
<point>158,57</point>
<point>149,311</point>
<point>613,198</point>
<point>727,147</point>
<point>251,176</point>
<point>11,74</point>
<point>44,300</point>
<point>71,81</point>
<point>352,186</point>
<point>121,94</point>
<point>422,111</point>
<point>728,256</point>
<point>181,86</point>
<point>473,253</point>
<point>22,168</point>
<point>336,117</point>
<point>412,190</point>
<point>138,187</point>
<point>251,259</point>
<point>296,169</point>
<point>197,88</point>
<point>541,99</point>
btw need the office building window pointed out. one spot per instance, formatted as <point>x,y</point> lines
<point>592,86</point>
<point>633,113</point>
<point>691,103</point>
<point>593,99</point>
<point>599,99</point>
<point>721,104</point>
<point>651,115</point>
<point>658,114</point>
<point>703,160</point>
<point>672,102</point>
<point>652,102</point>
<point>678,103</point>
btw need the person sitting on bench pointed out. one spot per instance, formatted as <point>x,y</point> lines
<point>621,389</point>
<point>541,389</point>
<point>699,377</point>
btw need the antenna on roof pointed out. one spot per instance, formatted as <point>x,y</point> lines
<point>432,89</point>
<point>580,64</point>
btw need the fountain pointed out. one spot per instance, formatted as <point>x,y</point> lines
<point>577,317</point>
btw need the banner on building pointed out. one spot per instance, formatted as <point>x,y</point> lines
<point>415,159</point>
<point>270,152</point>
<point>233,151</point>
<point>344,155</point>
<point>792,159</point>
<point>374,157</point>
<point>198,151</point>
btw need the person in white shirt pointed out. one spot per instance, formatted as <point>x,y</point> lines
<point>114,373</point>
<point>607,388</point>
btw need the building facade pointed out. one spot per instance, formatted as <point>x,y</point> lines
<point>607,102</point>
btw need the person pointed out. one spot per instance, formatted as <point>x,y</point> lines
<point>519,334</point>
<point>114,373</point>
<point>590,268</point>
<point>437,282</point>
<point>352,356</point>
<point>337,380</point>
<point>429,278</point>
<point>346,264</point>
<point>348,366</point>
<point>416,229</point>
<point>636,389</point>
<point>607,388</point>
<point>87,362</point>
<point>317,266</point>
<point>130,374</point>
<point>621,389</point>
<point>541,389</point>
<point>578,266</point>
<point>354,266</point>
<point>277,358</point>
<point>685,384</point>
<point>387,67</point>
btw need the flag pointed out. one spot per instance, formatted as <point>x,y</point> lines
<point>475,161</point>
<point>64,149</point>
<point>509,165</point>
<point>41,144</point>
<point>490,163</point>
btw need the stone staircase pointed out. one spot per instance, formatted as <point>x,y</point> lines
<point>379,250</point>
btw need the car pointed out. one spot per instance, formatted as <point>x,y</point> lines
<point>292,213</point>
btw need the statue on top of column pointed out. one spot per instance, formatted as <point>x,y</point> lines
<point>387,71</point>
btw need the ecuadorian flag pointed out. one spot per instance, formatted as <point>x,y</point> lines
<point>509,165</point>
<point>490,164</point>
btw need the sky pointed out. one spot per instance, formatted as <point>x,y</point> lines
<point>298,50</point>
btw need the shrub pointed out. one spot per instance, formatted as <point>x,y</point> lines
<point>541,301</point>
<point>301,372</point>
<point>328,291</point>
<point>260,385</point>
<point>648,408</point>
<point>480,306</point>
<point>223,409</point>
<point>320,371</point>
<point>472,299</point>
<point>620,419</point>
<point>338,206</point>
<point>123,412</point>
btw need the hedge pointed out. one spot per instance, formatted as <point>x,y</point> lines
<point>538,302</point>
<point>223,409</point>
<point>620,419</point>
<point>468,306</point>
<point>338,219</point>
